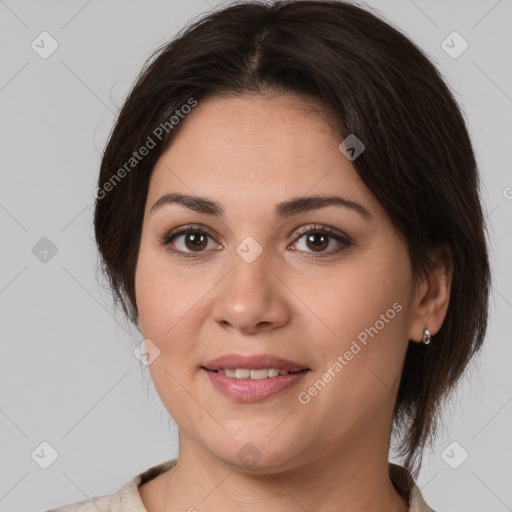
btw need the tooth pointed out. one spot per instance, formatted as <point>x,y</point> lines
<point>259,374</point>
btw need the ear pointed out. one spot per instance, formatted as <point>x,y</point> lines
<point>432,295</point>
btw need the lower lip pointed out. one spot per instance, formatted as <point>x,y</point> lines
<point>248,390</point>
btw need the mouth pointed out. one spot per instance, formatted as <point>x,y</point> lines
<point>253,378</point>
<point>259,363</point>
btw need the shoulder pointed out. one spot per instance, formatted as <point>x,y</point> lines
<point>417,503</point>
<point>126,499</point>
<point>406,486</point>
<point>100,502</point>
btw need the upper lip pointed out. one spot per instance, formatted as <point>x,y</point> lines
<point>255,362</point>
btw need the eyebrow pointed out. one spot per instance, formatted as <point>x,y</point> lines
<point>285,209</point>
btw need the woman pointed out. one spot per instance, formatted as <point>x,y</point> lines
<point>288,209</point>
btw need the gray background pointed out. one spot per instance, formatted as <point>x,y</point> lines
<point>68,373</point>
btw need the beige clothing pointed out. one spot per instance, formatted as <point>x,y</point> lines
<point>127,498</point>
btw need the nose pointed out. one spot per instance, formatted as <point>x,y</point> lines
<point>252,297</point>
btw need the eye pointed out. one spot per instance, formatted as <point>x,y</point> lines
<point>319,237</point>
<point>192,242</point>
<point>187,240</point>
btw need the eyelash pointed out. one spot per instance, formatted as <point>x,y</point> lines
<point>322,229</point>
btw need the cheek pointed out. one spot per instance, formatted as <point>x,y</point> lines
<point>171,310</point>
<point>352,297</point>
<point>165,304</point>
<point>366,308</point>
<point>162,298</point>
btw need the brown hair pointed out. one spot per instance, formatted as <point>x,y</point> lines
<point>377,84</point>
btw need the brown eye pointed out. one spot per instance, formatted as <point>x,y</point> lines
<point>186,241</point>
<point>318,238</point>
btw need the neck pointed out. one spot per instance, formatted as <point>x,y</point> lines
<point>353,479</point>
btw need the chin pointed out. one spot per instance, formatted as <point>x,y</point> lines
<point>257,457</point>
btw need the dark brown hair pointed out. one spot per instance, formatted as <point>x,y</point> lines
<point>376,84</point>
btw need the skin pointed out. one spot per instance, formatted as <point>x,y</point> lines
<point>249,153</point>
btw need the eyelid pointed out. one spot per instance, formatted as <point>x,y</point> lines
<point>324,229</point>
<point>168,235</point>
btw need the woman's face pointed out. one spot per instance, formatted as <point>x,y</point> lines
<point>336,303</point>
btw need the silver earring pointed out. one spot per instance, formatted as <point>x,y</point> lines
<point>426,337</point>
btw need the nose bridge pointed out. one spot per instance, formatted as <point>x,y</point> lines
<point>251,263</point>
<point>250,297</point>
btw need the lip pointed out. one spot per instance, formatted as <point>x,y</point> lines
<point>248,390</point>
<point>255,362</point>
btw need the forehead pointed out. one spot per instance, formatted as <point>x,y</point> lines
<point>256,149</point>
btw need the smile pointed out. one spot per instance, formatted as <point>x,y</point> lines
<point>259,374</point>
